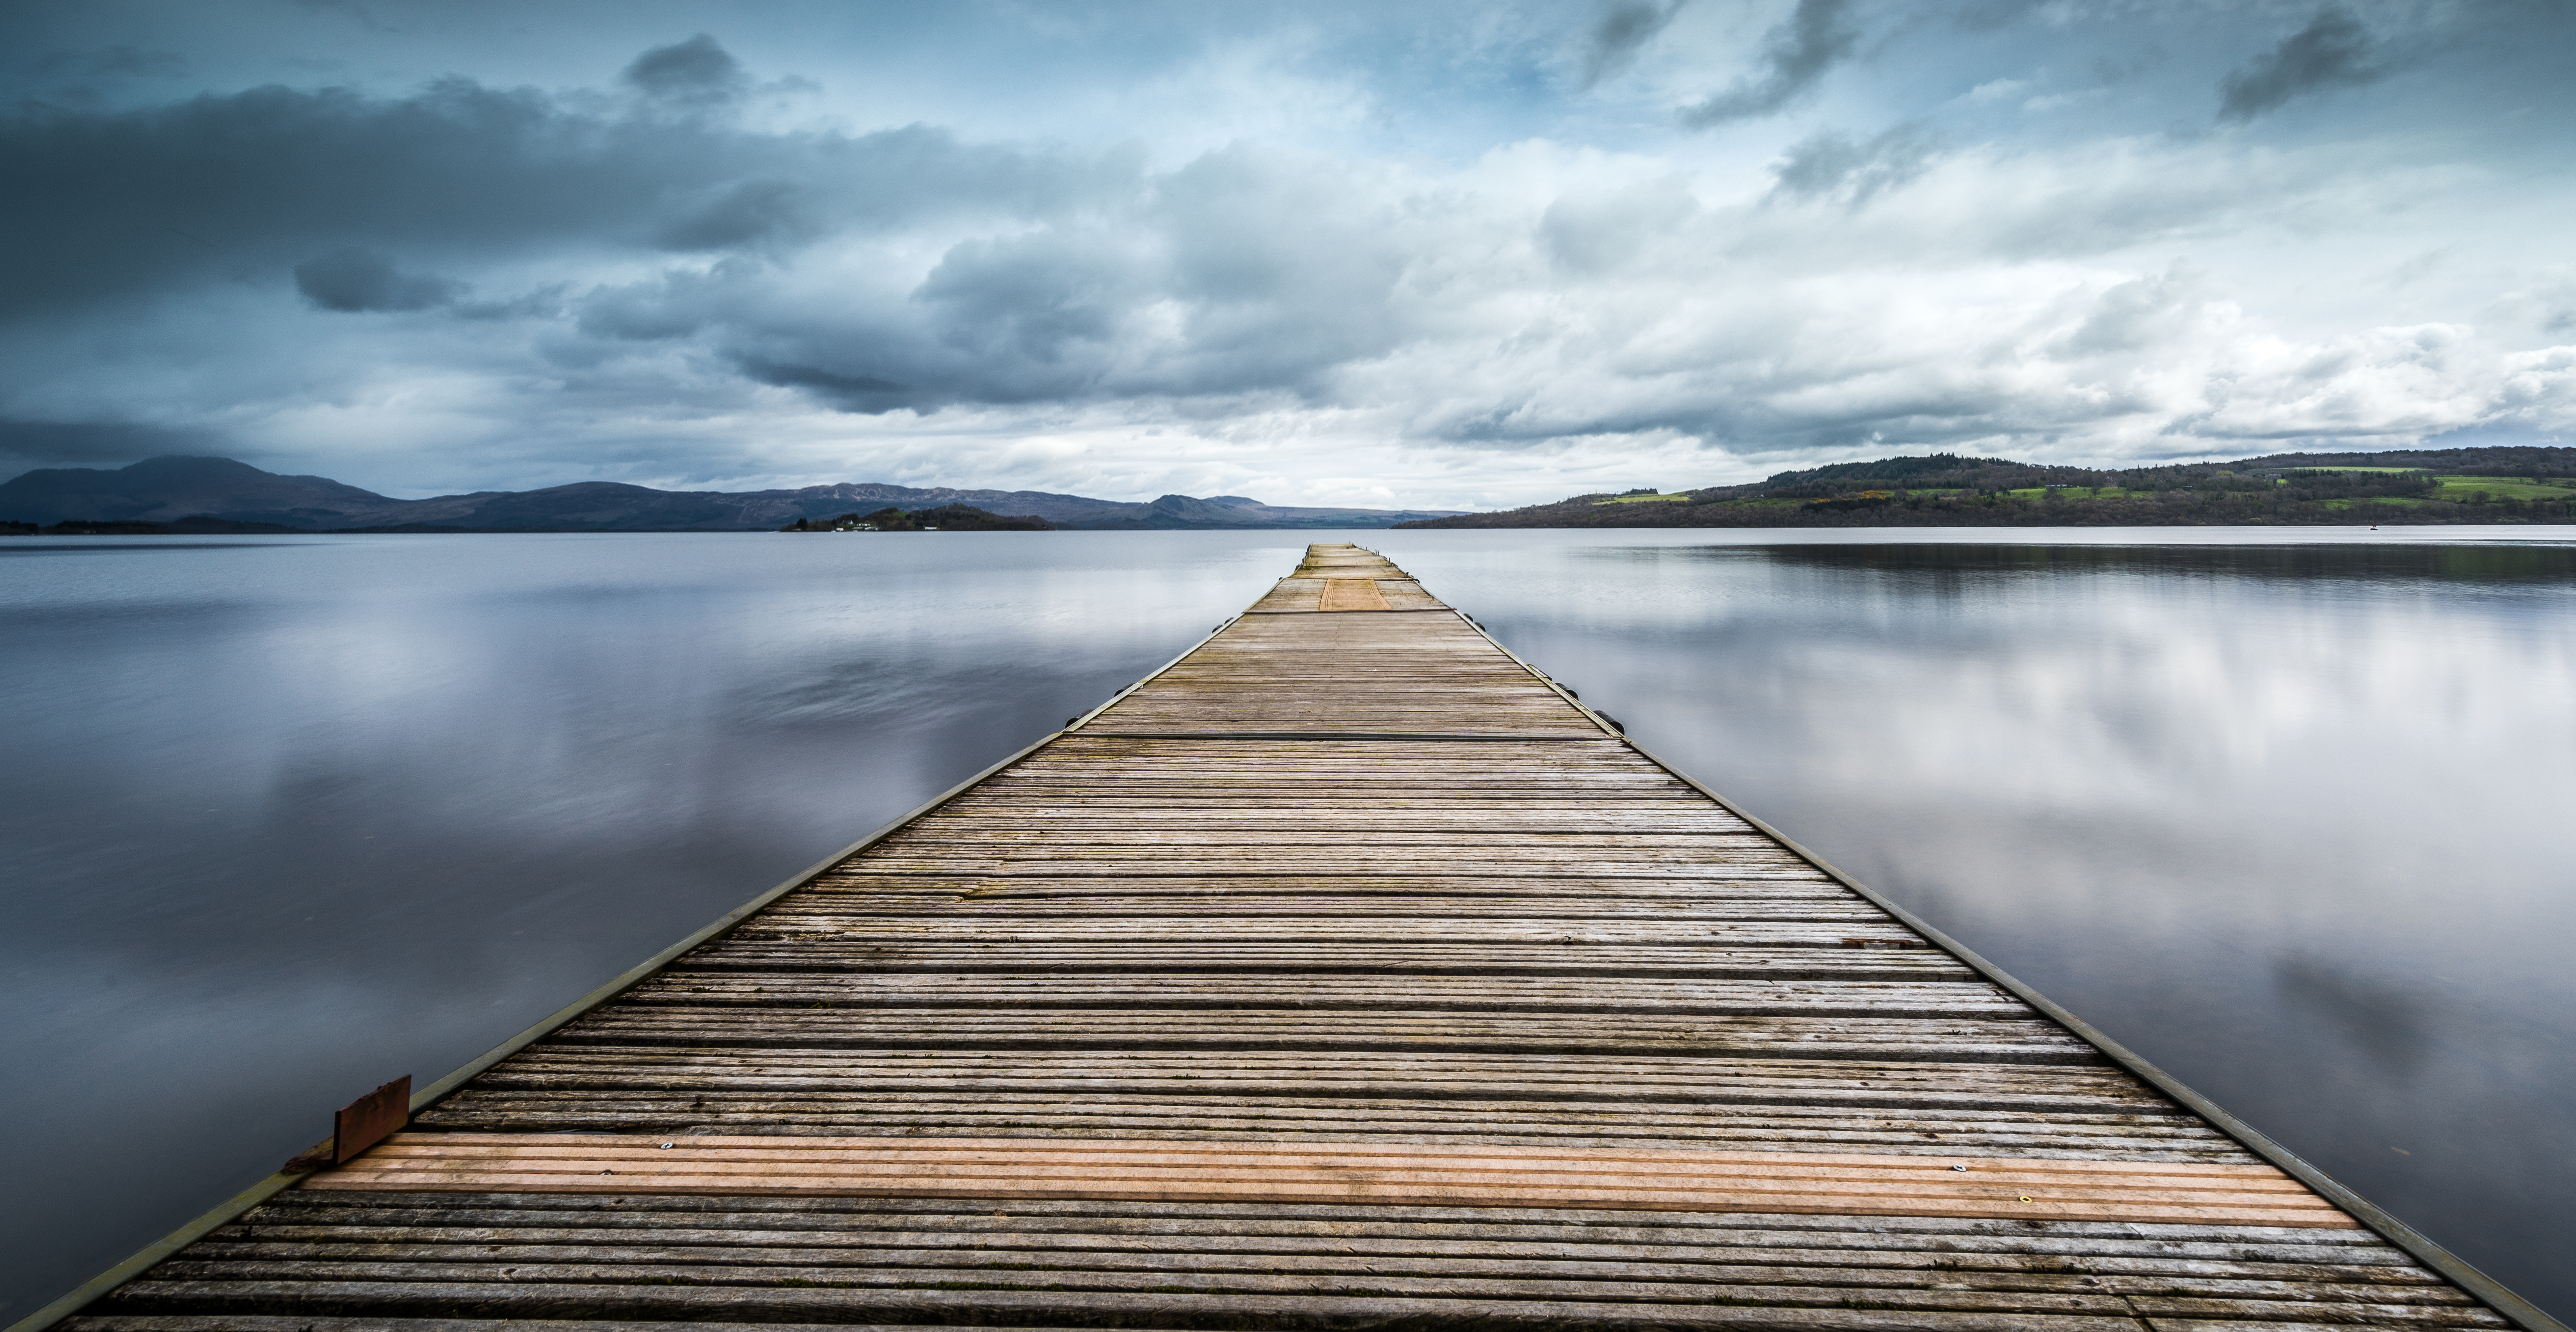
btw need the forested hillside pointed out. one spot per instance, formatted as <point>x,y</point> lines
<point>2489,485</point>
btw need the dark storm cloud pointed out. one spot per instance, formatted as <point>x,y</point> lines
<point>29,444</point>
<point>740,213</point>
<point>1243,272</point>
<point>111,62</point>
<point>1796,56</point>
<point>2333,51</point>
<point>1835,166</point>
<point>352,280</point>
<point>1044,298</point>
<point>1623,30</point>
<point>850,393</point>
<point>697,71</point>
<point>249,185</point>
<point>1039,317</point>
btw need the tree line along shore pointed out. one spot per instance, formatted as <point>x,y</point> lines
<point>944,518</point>
<point>2495,485</point>
<point>2480,485</point>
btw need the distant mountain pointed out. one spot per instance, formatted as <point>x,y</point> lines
<point>1224,511</point>
<point>161,490</point>
<point>168,490</point>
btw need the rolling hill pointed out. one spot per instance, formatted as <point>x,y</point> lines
<point>215,491</point>
<point>2480,485</point>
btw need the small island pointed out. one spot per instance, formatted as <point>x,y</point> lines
<point>945,518</point>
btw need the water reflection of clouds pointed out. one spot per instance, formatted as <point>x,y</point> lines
<point>338,809</point>
<point>2389,1021</point>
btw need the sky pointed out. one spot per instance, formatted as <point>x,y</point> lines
<point>1464,256</point>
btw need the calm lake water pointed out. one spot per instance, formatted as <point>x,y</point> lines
<point>2288,812</point>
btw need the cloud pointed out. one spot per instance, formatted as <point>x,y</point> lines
<point>1798,54</point>
<point>740,213</point>
<point>848,392</point>
<point>167,197</point>
<point>119,61</point>
<point>1622,31</point>
<point>28,444</point>
<point>2143,314</point>
<point>620,282</point>
<point>1047,298</point>
<point>2333,51</point>
<point>1600,231</point>
<point>2378,384</point>
<point>1244,271</point>
<point>1833,166</point>
<point>697,72</point>
<point>351,280</point>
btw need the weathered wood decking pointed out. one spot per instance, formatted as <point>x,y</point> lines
<point>1344,975</point>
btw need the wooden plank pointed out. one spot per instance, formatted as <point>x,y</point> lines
<point>1351,594</point>
<point>829,1297</point>
<point>312,1252</point>
<point>1515,996</point>
<point>2020,1189</point>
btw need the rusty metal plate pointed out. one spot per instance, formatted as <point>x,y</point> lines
<point>370,1119</point>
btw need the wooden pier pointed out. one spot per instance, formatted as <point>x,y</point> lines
<point>1346,973</point>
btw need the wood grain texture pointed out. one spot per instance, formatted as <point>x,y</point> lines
<point>1351,594</point>
<point>1158,1171</point>
<point>1298,1023</point>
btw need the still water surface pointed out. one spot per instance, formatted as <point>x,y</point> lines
<point>287,817</point>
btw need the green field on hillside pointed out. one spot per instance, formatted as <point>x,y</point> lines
<point>2458,489</point>
<point>2503,487</point>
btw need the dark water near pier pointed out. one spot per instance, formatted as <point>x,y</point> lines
<point>287,817</point>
